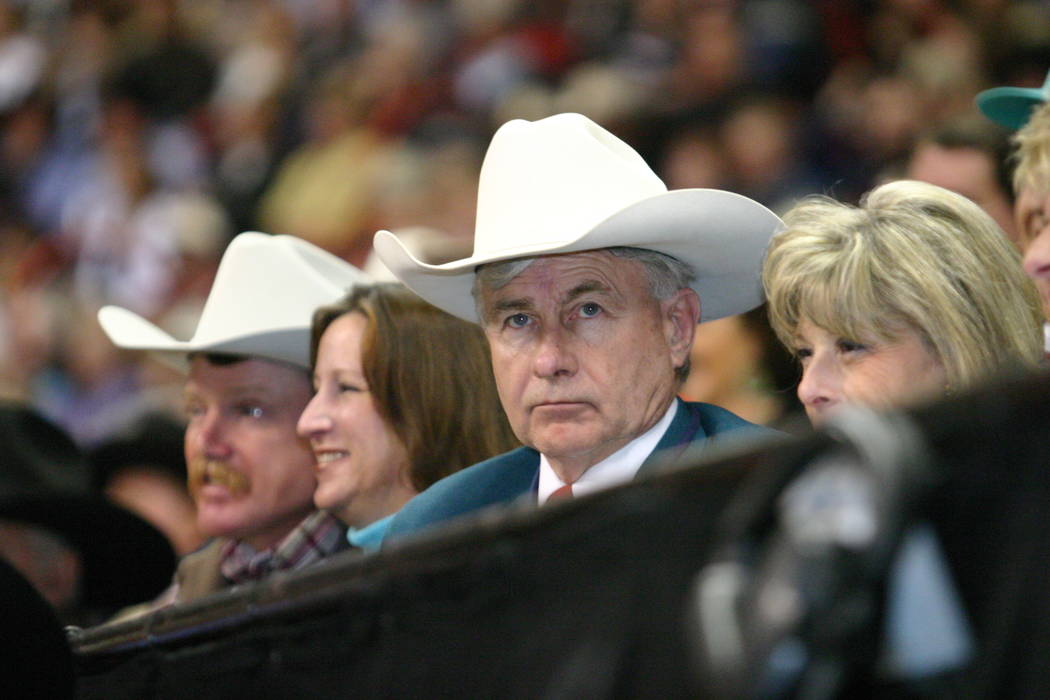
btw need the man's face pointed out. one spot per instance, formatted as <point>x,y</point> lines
<point>584,357</point>
<point>969,172</point>
<point>250,474</point>
<point>1032,216</point>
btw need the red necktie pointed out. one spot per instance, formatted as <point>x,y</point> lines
<point>563,493</point>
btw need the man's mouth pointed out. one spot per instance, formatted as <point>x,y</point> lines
<point>206,472</point>
<point>558,406</point>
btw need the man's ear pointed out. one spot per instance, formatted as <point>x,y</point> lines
<point>680,314</point>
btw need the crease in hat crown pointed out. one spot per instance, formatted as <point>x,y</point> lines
<point>261,303</point>
<point>564,184</point>
<point>1012,106</point>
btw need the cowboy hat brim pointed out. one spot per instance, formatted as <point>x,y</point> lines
<point>721,235</point>
<point>1010,106</point>
<point>130,331</point>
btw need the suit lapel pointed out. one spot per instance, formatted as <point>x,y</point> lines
<point>685,429</point>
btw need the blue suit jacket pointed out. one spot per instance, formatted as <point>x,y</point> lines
<point>509,476</point>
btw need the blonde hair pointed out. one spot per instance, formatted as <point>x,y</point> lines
<point>1032,154</point>
<point>912,256</point>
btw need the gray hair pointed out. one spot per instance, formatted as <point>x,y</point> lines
<point>666,275</point>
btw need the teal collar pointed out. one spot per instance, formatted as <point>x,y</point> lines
<point>369,537</point>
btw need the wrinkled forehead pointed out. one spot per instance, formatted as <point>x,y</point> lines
<point>559,275</point>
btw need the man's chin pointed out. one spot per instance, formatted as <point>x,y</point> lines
<point>215,522</point>
<point>571,445</point>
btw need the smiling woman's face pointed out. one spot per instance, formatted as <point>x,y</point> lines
<point>839,371</point>
<point>362,466</point>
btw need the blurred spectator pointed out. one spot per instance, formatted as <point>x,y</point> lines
<point>1028,110</point>
<point>695,157</point>
<point>22,57</point>
<point>968,155</point>
<point>1032,210</point>
<point>88,388</point>
<point>37,658</point>
<point>738,363</point>
<point>766,161</point>
<point>86,556</point>
<point>324,191</point>
<point>143,469</point>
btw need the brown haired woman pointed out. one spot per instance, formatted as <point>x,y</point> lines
<point>404,395</point>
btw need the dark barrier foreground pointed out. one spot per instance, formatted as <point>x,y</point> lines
<point>599,597</point>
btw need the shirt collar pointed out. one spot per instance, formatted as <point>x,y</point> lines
<point>370,536</point>
<point>617,468</point>
<point>317,536</point>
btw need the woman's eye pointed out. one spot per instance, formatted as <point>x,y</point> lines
<point>851,346</point>
<point>518,320</point>
<point>252,411</point>
<point>349,388</point>
<point>590,310</point>
<point>802,354</point>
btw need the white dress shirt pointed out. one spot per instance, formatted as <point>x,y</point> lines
<point>617,468</point>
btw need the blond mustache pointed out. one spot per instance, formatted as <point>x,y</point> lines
<point>209,471</point>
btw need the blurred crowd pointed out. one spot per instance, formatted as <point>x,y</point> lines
<point>137,137</point>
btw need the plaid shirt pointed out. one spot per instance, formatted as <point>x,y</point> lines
<point>317,537</point>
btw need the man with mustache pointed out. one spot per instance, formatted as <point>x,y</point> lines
<point>251,476</point>
<point>588,277</point>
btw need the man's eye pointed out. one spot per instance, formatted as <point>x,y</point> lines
<point>252,411</point>
<point>590,310</point>
<point>517,320</point>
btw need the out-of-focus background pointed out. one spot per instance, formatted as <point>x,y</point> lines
<point>138,136</point>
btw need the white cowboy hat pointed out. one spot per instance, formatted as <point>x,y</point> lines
<point>564,184</point>
<point>261,302</point>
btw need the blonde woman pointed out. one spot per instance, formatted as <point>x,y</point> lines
<point>910,296</point>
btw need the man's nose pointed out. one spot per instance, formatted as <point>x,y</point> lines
<point>211,435</point>
<point>555,356</point>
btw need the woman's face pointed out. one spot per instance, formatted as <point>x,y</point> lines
<point>362,466</point>
<point>838,371</point>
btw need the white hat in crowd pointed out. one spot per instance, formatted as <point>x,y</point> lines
<point>261,304</point>
<point>564,184</point>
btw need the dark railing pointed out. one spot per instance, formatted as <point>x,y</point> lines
<point>600,597</point>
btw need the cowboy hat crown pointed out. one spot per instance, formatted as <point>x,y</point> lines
<point>564,184</point>
<point>261,303</point>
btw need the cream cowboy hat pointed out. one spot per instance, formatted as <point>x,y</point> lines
<point>261,303</point>
<point>564,184</point>
<point>1011,106</point>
